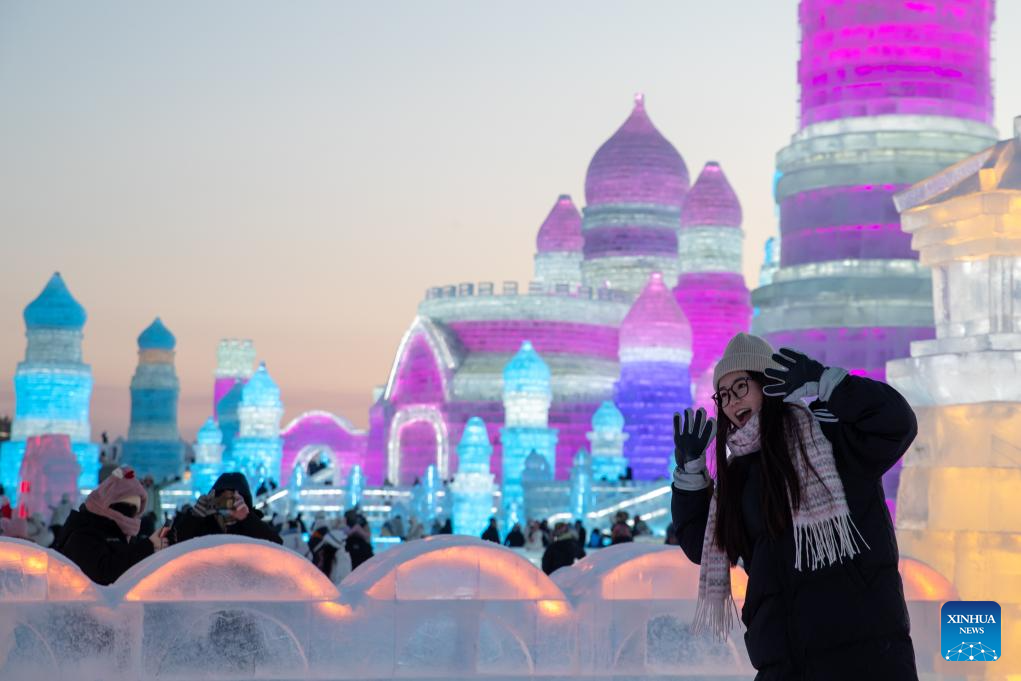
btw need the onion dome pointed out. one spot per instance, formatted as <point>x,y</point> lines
<point>156,337</point>
<point>261,390</point>
<point>536,468</point>
<point>607,418</point>
<point>655,322</point>
<point>475,449</point>
<point>711,201</point>
<point>209,434</point>
<point>526,372</point>
<point>637,165</point>
<point>561,230</point>
<point>55,308</point>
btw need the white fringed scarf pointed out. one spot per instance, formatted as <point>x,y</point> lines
<point>823,530</point>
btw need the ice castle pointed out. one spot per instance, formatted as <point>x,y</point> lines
<point>52,386</point>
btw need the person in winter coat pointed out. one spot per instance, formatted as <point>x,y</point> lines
<point>620,532</point>
<point>226,509</point>
<point>515,539</point>
<point>358,543</point>
<point>798,503</point>
<point>100,537</point>
<point>293,538</point>
<point>534,539</point>
<point>328,550</point>
<point>563,550</point>
<point>491,533</point>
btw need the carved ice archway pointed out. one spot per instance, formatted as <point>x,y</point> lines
<point>405,416</point>
<point>306,453</point>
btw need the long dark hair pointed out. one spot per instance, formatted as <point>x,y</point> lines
<point>780,438</point>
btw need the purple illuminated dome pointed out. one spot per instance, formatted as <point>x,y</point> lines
<point>711,201</point>
<point>655,352</point>
<point>637,165</point>
<point>561,230</point>
<point>874,57</point>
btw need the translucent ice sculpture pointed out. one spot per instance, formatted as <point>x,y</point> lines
<point>473,485</point>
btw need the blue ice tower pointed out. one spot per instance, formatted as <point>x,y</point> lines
<point>527,395</point>
<point>208,457</point>
<point>258,448</point>
<point>607,439</point>
<point>581,485</point>
<point>52,386</point>
<point>474,484</point>
<point>355,486</point>
<point>154,445</point>
<point>425,496</point>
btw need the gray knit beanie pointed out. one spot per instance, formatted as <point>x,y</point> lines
<point>744,352</point>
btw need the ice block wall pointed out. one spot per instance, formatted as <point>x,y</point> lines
<point>891,93</point>
<point>258,449</point>
<point>154,445</point>
<point>607,439</point>
<point>52,386</point>
<point>235,361</point>
<point>634,188</point>
<point>208,457</point>
<point>473,485</point>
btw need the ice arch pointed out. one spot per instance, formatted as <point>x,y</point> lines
<point>406,417</point>
<point>29,573</point>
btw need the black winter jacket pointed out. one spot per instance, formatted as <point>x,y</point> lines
<point>187,525</point>
<point>793,616</point>
<point>97,545</point>
<point>561,553</point>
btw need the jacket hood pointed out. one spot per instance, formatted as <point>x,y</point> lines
<point>237,482</point>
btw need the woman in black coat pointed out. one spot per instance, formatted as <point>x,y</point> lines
<point>799,505</point>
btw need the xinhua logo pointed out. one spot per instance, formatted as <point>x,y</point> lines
<point>970,631</point>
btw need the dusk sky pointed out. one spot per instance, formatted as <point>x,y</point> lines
<point>300,173</point>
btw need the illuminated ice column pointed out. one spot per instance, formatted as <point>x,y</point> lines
<point>891,93</point>
<point>258,449</point>
<point>526,401</point>
<point>634,188</point>
<point>473,484</point>
<point>52,386</point>
<point>655,353</point>
<point>770,261</point>
<point>154,445</point>
<point>710,289</point>
<point>607,441</point>
<point>235,358</point>
<point>559,245</point>
<point>208,457</point>
<point>425,496</point>
<point>355,486</point>
<point>958,504</point>
<point>581,485</point>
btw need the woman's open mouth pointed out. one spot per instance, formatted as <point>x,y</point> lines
<point>742,415</point>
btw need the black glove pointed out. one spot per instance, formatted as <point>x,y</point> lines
<point>798,376</point>
<point>692,439</point>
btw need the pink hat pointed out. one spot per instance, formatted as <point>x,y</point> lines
<point>119,485</point>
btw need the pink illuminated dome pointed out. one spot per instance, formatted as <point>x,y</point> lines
<point>655,320</point>
<point>711,201</point>
<point>561,230</point>
<point>637,165</point>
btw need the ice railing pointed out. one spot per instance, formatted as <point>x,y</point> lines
<point>534,288</point>
<point>442,607</point>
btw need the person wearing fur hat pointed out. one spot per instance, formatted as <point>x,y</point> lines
<point>798,503</point>
<point>101,536</point>
<point>563,551</point>
<point>226,509</point>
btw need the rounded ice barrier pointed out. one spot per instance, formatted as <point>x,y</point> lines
<point>634,605</point>
<point>224,568</point>
<point>29,572</point>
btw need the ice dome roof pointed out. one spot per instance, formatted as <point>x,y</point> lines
<point>655,319</point>
<point>156,337</point>
<point>561,230</point>
<point>209,433</point>
<point>637,165</point>
<point>526,372</point>
<point>711,200</point>
<point>608,417</point>
<point>55,308</point>
<point>261,390</point>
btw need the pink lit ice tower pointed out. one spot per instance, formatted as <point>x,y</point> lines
<point>891,93</point>
<point>711,289</point>
<point>559,245</point>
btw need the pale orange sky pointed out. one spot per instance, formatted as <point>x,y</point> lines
<point>301,174</point>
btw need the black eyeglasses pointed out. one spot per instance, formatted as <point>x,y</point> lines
<point>737,390</point>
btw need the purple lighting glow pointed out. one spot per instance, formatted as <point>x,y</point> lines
<point>561,230</point>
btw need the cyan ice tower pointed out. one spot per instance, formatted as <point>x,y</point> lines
<point>526,401</point>
<point>655,354</point>
<point>208,457</point>
<point>891,93</point>
<point>52,386</point>
<point>474,484</point>
<point>710,289</point>
<point>258,448</point>
<point>634,189</point>
<point>958,503</point>
<point>559,245</point>
<point>607,439</point>
<point>235,360</point>
<point>154,445</point>
<point>581,485</point>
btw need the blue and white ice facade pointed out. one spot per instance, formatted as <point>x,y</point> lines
<point>52,386</point>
